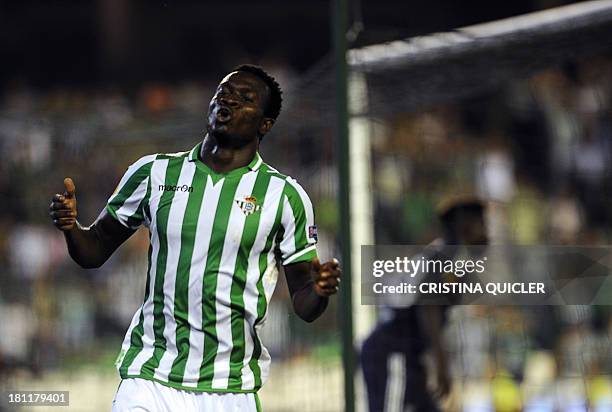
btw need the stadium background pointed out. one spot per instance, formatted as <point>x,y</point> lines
<point>92,86</point>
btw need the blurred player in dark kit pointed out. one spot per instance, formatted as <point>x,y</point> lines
<point>417,329</point>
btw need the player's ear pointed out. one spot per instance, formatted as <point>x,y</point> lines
<point>265,125</point>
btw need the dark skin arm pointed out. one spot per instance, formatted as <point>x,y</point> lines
<point>310,285</point>
<point>89,246</point>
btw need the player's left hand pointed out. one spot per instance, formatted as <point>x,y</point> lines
<point>326,277</point>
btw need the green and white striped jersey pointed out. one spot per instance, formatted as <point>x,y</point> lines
<point>214,243</point>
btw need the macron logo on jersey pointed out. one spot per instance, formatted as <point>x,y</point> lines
<point>170,188</point>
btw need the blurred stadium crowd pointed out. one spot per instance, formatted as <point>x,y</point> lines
<point>538,150</point>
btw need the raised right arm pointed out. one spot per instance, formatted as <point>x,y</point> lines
<point>88,246</point>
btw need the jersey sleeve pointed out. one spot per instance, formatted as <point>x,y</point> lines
<point>299,239</point>
<point>127,202</point>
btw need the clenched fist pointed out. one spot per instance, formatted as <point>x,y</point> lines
<point>326,277</point>
<point>63,209</point>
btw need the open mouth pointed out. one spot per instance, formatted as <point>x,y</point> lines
<point>223,114</point>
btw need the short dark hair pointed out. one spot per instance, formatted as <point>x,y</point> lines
<point>276,99</point>
<point>472,208</point>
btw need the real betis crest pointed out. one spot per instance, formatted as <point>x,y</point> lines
<point>248,205</point>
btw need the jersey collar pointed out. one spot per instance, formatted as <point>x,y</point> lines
<point>253,166</point>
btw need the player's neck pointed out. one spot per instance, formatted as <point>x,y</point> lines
<point>222,158</point>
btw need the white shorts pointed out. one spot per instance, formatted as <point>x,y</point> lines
<point>142,395</point>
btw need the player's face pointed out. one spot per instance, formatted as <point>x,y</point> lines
<point>236,111</point>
